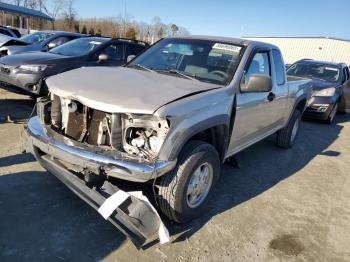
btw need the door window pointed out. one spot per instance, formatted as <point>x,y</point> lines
<point>279,67</point>
<point>260,65</point>
<point>135,49</point>
<point>60,40</point>
<point>115,52</point>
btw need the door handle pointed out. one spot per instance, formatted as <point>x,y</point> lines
<point>271,96</point>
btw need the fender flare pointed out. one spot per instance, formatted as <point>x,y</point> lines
<point>215,121</point>
<point>299,99</point>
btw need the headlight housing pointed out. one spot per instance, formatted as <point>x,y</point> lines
<point>33,68</point>
<point>143,135</point>
<point>325,92</point>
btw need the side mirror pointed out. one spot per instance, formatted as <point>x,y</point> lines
<point>347,83</point>
<point>257,83</point>
<point>102,58</point>
<point>51,45</point>
<point>130,57</point>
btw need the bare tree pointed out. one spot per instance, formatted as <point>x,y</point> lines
<point>69,14</point>
<point>174,29</point>
<point>55,9</point>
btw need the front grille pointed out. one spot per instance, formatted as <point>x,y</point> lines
<point>85,124</point>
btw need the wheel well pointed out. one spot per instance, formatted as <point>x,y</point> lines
<point>301,105</point>
<point>216,136</point>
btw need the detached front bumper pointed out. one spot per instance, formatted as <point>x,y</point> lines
<point>30,82</point>
<point>134,217</point>
<point>113,163</point>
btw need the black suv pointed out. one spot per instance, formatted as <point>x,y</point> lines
<point>28,70</point>
<point>331,87</point>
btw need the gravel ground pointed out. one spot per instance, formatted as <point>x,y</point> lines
<point>289,205</point>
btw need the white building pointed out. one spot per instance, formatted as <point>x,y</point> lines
<point>319,48</point>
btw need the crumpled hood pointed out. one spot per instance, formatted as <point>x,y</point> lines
<point>123,90</point>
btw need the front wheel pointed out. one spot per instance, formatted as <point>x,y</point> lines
<point>286,137</point>
<point>183,193</point>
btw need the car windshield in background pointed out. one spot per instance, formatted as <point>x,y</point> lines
<point>315,71</point>
<point>77,47</point>
<point>204,60</point>
<point>36,37</point>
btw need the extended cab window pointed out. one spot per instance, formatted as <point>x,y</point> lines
<point>279,67</point>
<point>260,65</point>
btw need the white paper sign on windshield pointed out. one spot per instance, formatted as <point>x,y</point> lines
<point>95,43</point>
<point>227,47</point>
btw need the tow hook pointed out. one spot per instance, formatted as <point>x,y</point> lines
<point>94,180</point>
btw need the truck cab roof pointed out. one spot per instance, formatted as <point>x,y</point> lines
<point>233,40</point>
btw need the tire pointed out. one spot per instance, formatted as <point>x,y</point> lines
<point>173,197</point>
<point>332,115</point>
<point>287,136</point>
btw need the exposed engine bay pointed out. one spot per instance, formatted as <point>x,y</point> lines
<point>136,135</point>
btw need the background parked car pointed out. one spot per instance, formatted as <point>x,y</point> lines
<point>7,34</point>
<point>38,41</point>
<point>9,31</point>
<point>330,81</point>
<point>27,70</point>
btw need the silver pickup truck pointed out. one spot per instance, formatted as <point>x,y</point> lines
<point>169,119</point>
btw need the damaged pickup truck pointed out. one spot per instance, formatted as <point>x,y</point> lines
<point>169,119</point>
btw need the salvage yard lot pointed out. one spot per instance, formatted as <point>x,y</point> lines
<point>292,205</point>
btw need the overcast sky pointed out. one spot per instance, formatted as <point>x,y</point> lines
<point>235,18</point>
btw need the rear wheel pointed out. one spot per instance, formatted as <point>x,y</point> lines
<point>184,192</point>
<point>286,137</point>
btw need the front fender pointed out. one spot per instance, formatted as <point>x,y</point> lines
<point>193,115</point>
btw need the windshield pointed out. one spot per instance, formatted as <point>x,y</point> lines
<point>36,37</point>
<point>77,47</point>
<point>315,71</point>
<point>204,60</point>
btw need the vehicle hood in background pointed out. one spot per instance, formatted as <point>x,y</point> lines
<point>319,84</point>
<point>5,39</point>
<point>12,41</point>
<point>122,89</point>
<point>20,48</point>
<point>31,58</point>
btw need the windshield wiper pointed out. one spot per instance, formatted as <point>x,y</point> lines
<point>177,72</point>
<point>142,67</point>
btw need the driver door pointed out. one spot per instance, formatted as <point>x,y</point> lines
<point>255,113</point>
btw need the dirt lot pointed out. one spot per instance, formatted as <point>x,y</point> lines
<point>281,205</point>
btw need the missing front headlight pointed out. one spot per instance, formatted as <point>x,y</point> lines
<point>144,134</point>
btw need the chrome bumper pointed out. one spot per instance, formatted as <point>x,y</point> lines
<point>115,164</point>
